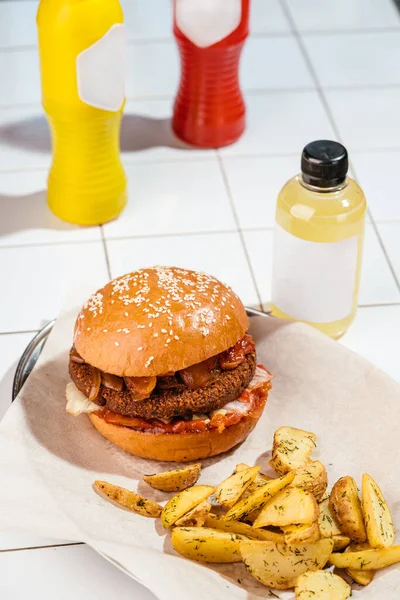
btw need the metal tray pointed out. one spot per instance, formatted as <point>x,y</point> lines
<point>34,348</point>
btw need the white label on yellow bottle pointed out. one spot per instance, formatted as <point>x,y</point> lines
<point>100,71</point>
<point>313,281</point>
<point>206,22</point>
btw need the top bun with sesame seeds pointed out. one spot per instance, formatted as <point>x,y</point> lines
<point>158,320</point>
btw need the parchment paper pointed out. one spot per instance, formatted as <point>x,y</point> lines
<point>49,460</point>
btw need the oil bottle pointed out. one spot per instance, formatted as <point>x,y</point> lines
<point>318,242</point>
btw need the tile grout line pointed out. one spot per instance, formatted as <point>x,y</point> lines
<point>121,238</point>
<point>66,545</point>
<point>256,35</point>
<point>370,305</point>
<point>239,230</point>
<point>103,239</point>
<point>332,121</point>
<point>253,91</point>
<point>132,161</point>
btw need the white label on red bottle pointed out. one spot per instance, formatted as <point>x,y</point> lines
<point>313,281</point>
<point>206,22</point>
<point>100,71</point>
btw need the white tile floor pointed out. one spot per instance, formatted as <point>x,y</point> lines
<point>311,69</point>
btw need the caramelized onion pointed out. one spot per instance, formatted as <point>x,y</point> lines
<point>167,382</point>
<point>199,375</point>
<point>140,387</point>
<point>234,356</point>
<point>96,383</point>
<point>75,357</point>
<point>113,382</point>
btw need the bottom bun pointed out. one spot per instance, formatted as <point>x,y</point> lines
<point>176,447</point>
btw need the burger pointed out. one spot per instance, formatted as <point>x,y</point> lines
<point>164,366</point>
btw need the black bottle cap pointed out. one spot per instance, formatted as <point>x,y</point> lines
<point>324,163</point>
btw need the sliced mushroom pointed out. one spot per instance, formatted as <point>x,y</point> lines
<point>140,387</point>
<point>75,357</point>
<point>113,382</point>
<point>199,375</point>
<point>96,383</point>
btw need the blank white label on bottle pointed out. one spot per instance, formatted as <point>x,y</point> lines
<point>313,281</point>
<point>206,22</point>
<point>101,71</point>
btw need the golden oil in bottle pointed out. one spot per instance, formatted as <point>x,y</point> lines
<point>318,242</point>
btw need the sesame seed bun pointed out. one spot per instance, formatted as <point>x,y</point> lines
<point>157,320</point>
<point>176,447</point>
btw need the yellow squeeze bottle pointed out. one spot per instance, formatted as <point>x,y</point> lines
<point>318,242</point>
<point>81,47</point>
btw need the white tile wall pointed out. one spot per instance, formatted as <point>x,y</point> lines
<point>365,58</point>
<point>164,202</point>
<point>38,278</point>
<point>175,192</point>
<point>281,123</point>
<point>220,254</point>
<point>378,174</point>
<point>264,176</point>
<point>343,15</point>
<point>367,121</point>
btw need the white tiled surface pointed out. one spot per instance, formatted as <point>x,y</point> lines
<point>365,58</point>
<point>211,210</point>
<point>343,15</point>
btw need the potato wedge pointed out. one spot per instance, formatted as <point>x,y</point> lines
<point>307,533</point>
<point>359,576</point>
<point>279,566</point>
<point>195,517</point>
<point>243,529</point>
<point>175,480</point>
<point>312,477</point>
<point>291,505</point>
<point>181,503</point>
<point>259,481</point>
<point>322,585</point>
<point>377,517</point>
<point>259,498</point>
<point>340,542</point>
<point>328,526</point>
<point>345,505</point>
<point>366,560</point>
<point>229,491</point>
<point>207,545</point>
<point>291,449</point>
<point>128,499</point>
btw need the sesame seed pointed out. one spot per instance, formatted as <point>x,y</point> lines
<point>116,343</point>
<point>227,317</point>
<point>176,337</point>
<point>140,348</point>
<point>164,331</point>
<point>88,329</point>
<point>155,335</point>
<point>149,361</point>
<point>127,314</point>
<point>105,330</point>
<point>151,324</point>
<point>170,332</point>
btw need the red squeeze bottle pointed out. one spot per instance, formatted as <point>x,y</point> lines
<point>209,110</point>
